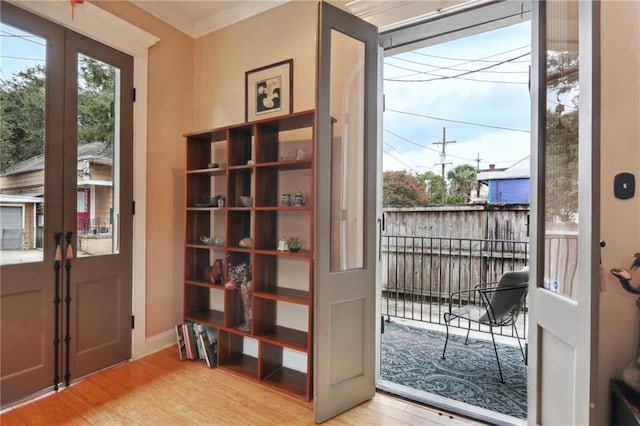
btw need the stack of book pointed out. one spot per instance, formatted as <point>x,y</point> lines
<point>197,341</point>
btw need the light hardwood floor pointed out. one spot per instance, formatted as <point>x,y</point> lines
<point>162,390</point>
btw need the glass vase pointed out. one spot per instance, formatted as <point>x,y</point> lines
<point>245,299</point>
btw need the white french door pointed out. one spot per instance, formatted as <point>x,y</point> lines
<point>347,109</point>
<point>564,289</point>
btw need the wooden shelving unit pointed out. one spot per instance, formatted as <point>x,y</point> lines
<point>262,160</point>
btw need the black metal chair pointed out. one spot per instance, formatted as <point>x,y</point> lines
<point>493,304</point>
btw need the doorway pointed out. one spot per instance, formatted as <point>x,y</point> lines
<point>457,110</point>
<point>66,302</point>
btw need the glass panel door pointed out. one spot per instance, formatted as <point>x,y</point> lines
<point>22,145</point>
<point>561,149</point>
<point>347,152</point>
<point>31,139</point>
<point>346,158</point>
<point>97,161</point>
<point>564,290</point>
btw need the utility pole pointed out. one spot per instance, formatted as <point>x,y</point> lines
<point>443,154</point>
<point>478,171</point>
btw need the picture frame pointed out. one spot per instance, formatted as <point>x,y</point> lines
<point>269,91</point>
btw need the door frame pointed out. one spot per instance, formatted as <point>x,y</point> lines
<point>100,25</point>
<point>436,30</point>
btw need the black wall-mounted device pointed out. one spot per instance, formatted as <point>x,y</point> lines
<point>624,185</point>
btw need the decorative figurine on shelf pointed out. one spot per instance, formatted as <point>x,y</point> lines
<point>295,244</point>
<point>299,200</point>
<point>212,241</point>
<point>214,274</point>
<point>283,244</point>
<point>246,242</point>
<point>631,374</point>
<point>240,279</point>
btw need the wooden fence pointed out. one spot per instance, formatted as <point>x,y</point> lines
<point>434,251</point>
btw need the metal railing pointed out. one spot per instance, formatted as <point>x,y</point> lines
<point>95,226</point>
<point>420,273</point>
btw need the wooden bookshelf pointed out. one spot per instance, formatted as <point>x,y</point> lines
<point>263,160</point>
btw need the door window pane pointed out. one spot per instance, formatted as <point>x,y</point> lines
<point>97,208</point>
<point>22,139</point>
<point>561,149</point>
<point>347,152</point>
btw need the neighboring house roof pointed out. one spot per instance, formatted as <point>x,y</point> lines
<point>4,198</point>
<point>520,170</point>
<point>95,152</point>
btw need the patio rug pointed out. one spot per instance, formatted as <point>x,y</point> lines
<point>413,357</point>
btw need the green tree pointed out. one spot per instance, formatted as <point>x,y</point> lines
<point>22,110</point>
<point>95,101</point>
<point>462,179</point>
<point>401,189</point>
<point>22,116</point>
<point>436,187</point>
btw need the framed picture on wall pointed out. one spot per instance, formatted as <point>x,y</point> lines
<point>269,91</point>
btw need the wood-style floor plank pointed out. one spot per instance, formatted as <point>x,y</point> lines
<point>162,390</point>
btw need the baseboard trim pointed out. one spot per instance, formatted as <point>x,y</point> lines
<point>158,342</point>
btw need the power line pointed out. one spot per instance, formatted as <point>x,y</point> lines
<point>388,145</point>
<point>399,160</point>
<point>459,121</point>
<point>25,37</point>
<point>452,68</point>
<point>23,58</point>
<point>424,146</point>
<point>483,59</point>
<point>459,75</point>
<point>400,80</point>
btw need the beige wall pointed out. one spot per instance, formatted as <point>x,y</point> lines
<point>196,85</point>
<point>170,78</point>
<point>620,224</point>
<point>222,58</point>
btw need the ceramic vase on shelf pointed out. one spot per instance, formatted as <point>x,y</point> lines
<point>245,300</point>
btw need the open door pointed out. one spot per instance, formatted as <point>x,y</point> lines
<point>346,137</point>
<point>564,289</point>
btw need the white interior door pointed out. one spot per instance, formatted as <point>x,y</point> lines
<point>344,284</point>
<point>565,162</point>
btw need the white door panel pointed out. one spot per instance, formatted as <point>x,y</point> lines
<point>564,289</point>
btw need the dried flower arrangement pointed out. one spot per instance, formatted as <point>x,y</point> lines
<point>239,277</point>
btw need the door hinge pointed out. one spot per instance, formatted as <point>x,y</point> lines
<point>133,322</point>
<point>133,207</point>
<point>133,94</point>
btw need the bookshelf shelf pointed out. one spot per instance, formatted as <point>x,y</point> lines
<point>263,160</point>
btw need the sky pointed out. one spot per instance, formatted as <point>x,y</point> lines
<point>19,50</point>
<point>500,100</point>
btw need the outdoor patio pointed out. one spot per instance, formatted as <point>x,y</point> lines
<point>466,381</point>
<point>420,278</point>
